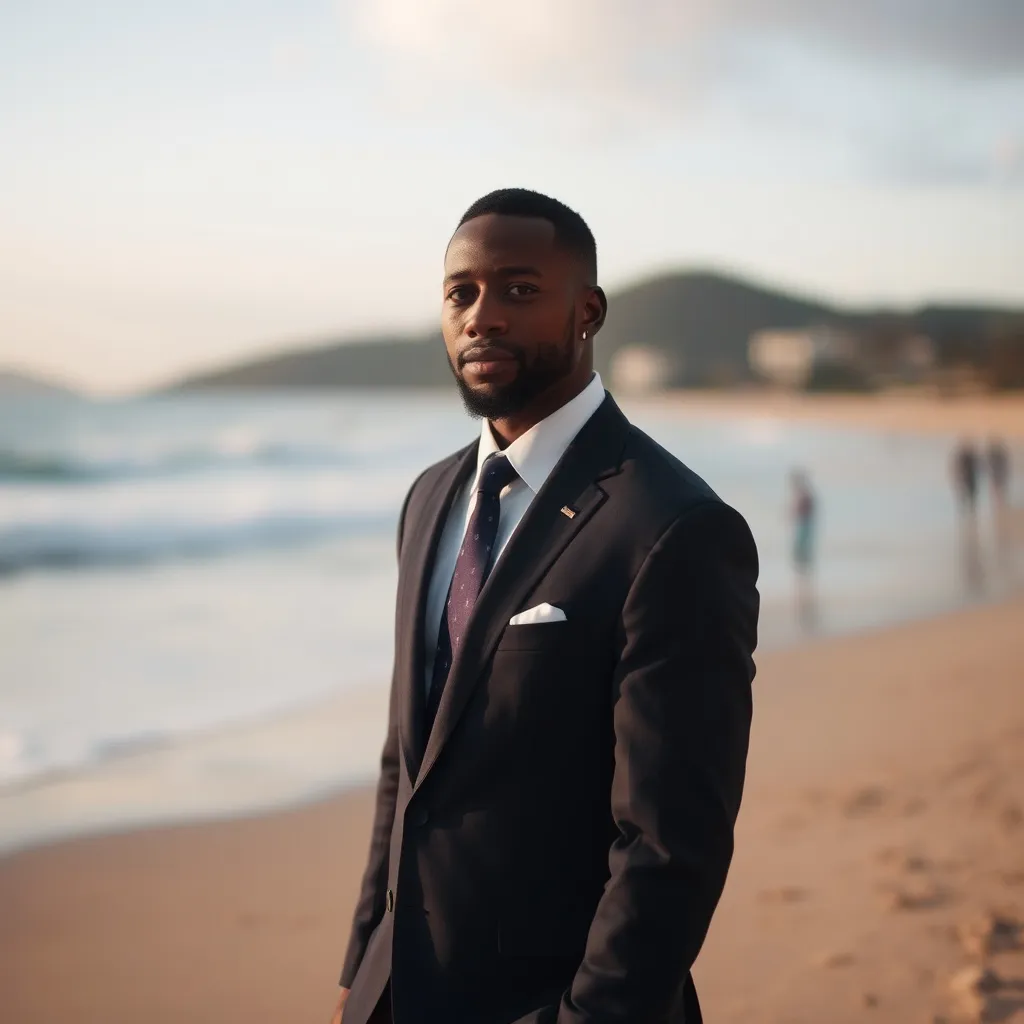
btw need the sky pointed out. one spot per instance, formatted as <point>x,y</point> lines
<point>185,184</point>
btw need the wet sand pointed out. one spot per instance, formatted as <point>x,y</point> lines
<point>878,873</point>
<point>977,416</point>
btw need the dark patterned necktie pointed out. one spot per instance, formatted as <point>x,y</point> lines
<point>471,569</point>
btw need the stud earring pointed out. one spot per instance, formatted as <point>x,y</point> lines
<point>584,335</point>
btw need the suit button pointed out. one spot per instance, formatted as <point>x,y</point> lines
<point>422,817</point>
<point>390,901</point>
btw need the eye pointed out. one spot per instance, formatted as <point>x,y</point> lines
<point>520,290</point>
<point>461,295</point>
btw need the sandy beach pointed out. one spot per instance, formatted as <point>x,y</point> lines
<point>878,873</point>
<point>922,412</point>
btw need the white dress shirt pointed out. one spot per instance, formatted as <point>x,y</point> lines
<point>533,456</point>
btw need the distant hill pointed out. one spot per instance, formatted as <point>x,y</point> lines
<point>701,321</point>
<point>24,385</point>
<point>388,361</point>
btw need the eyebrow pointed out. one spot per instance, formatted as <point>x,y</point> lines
<point>521,270</point>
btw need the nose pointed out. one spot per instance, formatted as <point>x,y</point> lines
<point>487,317</point>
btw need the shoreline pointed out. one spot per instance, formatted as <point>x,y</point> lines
<point>233,748</point>
<point>224,774</point>
<point>881,822</point>
<point>198,776</point>
<point>904,412</point>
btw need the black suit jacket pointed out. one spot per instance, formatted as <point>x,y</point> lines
<point>555,849</point>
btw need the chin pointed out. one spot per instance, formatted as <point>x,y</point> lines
<point>491,388</point>
<point>489,391</point>
<point>490,401</point>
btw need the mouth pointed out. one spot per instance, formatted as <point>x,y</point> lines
<point>488,362</point>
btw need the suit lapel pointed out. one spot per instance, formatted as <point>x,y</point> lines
<point>543,534</point>
<point>412,598</point>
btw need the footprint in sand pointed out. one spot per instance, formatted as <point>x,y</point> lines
<point>979,994</point>
<point>890,854</point>
<point>902,859</point>
<point>783,894</point>
<point>990,933</point>
<point>834,961</point>
<point>865,800</point>
<point>1011,817</point>
<point>926,896</point>
<point>915,864</point>
<point>963,769</point>
<point>985,795</point>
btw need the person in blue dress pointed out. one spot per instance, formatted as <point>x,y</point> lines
<point>804,518</point>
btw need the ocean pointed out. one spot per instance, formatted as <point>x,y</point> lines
<point>196,592</point>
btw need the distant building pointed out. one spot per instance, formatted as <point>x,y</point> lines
<point>917,353</point>
<point>896,357</point>
<point>640,369</point>
<point>789,357</point>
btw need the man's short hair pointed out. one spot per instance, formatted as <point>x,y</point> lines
<point>571,231</point>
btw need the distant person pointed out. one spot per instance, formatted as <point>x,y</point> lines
<point>966,470</point>
<point>804,516</point>
<point>571,697</point>
<point>999,472</point>
<point>998,458</point>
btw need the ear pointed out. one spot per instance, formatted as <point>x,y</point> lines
<point>595,309</point>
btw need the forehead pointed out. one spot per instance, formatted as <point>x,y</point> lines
<point>495,240</point>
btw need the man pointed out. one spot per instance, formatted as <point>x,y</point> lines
<point>571,699</point>
<point>966,470</point>
<point>804,515</point>
<point>999,472</point>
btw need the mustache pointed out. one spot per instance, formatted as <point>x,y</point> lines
<point>481,352</point>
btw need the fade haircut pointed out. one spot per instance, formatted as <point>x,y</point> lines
<point>571,231</point>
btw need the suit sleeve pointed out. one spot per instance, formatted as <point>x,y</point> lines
<point>682,717</point>
<point>370,906</point>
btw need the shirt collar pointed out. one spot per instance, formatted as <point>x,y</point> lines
<point>536,453</point>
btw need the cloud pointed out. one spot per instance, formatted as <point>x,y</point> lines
<point>985,37</point>
<point>863,76</point>
<point>584,39</point>
<point>573,51</point>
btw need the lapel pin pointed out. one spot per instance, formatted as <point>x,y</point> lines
<point>569,513</point>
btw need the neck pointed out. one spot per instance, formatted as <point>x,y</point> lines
<point>510,428</point>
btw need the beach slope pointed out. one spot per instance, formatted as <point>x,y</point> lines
<point>878,873</point>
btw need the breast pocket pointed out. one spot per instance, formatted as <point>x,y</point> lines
<point>538,636</point>
<point>550,673</point>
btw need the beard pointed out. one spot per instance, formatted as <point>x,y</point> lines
<point>550,364</point>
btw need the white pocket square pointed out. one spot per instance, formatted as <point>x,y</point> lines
<point>538,614</point>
